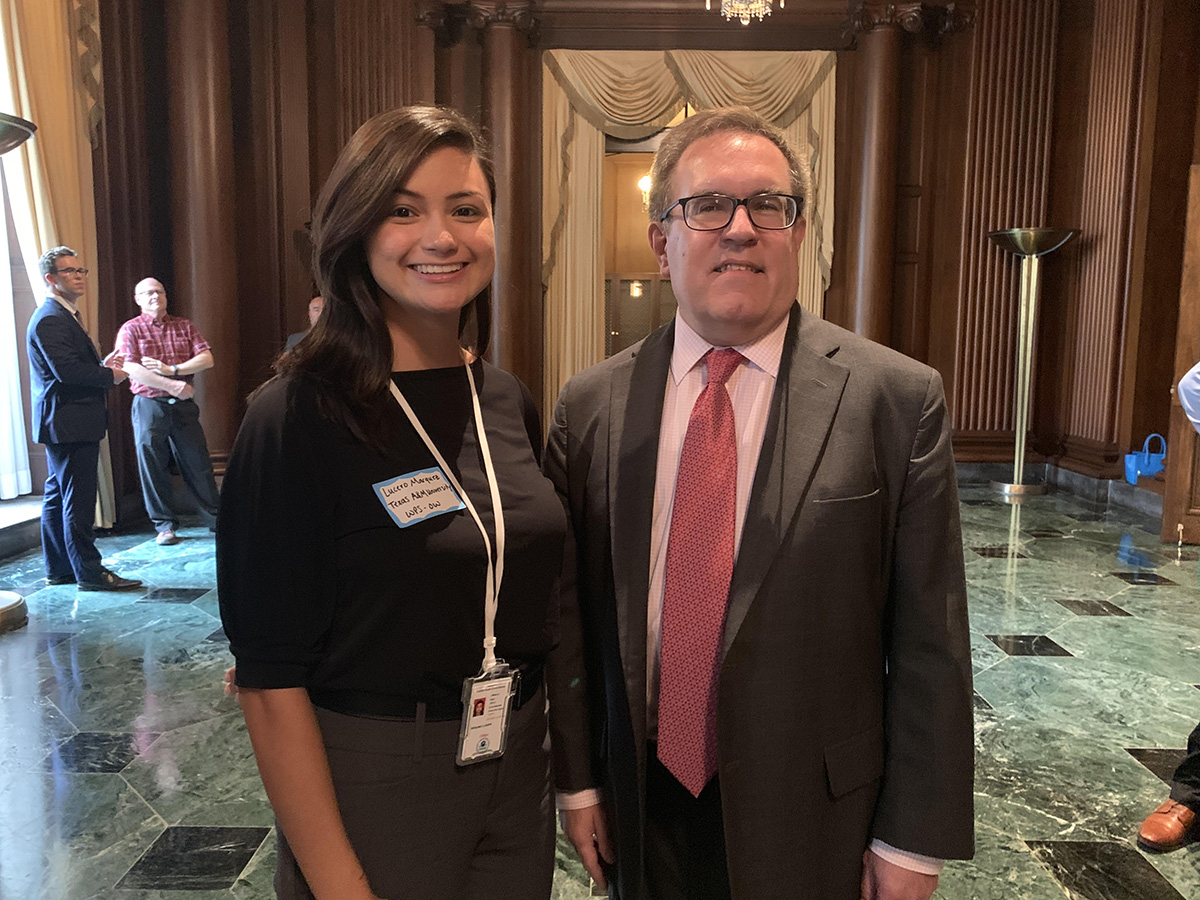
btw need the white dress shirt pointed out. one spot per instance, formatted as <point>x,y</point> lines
<point>750,389</point>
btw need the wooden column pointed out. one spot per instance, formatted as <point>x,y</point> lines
<point>507,113</point>
<point>874,238</point>
<point>205,285</point>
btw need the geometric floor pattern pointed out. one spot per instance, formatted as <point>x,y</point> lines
<point>125,774</point>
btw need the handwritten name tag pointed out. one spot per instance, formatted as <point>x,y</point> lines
<point>417,496</point>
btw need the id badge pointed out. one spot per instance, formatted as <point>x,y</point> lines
<point>487,703</point>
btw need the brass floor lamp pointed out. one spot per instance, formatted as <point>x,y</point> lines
<point>1030,244</point>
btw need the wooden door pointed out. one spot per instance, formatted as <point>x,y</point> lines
<point>1181,503</point>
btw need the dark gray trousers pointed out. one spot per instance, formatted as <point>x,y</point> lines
<point>426,829</point>
<point>162,429</point>
<point>1185,786</point>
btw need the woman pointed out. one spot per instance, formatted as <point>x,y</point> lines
<point>359,544</point>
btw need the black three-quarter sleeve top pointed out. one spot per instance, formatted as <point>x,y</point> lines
<point>320,588</point>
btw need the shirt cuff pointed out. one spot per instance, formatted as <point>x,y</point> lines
<point>915,862</point>
<point>578,799</point>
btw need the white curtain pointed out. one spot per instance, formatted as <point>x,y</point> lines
<point>633,94</point>
<point>572,240</point>
<point>15,476</point>
<point>50,176</point>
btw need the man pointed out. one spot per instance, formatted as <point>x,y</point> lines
<point>69,382</point>
<point>163,353</point>
<point>1175,822</point>
<point>315,305</point>
<point>764,632</point>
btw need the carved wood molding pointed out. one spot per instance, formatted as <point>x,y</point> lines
<point>483,14</point>
<point>930,19</point>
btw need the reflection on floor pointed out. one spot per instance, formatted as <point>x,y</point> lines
<point>124,773</point>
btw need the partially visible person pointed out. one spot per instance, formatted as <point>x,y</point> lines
<point>163,354</point>
<point>1177,820</point>
<point>315,305</point>
<point>359,595</point>
<point>69,382</point>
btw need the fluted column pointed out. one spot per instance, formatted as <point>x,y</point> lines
<point>202,205</point>
<point>507,113</point>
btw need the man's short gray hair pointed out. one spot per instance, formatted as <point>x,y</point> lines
<point>740,119</point>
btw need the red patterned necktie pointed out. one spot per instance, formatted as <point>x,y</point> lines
<point>696,584</point>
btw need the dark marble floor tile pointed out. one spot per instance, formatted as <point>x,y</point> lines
<point>1043,533</point>
<point>980,703</point>
<point>1151,578</point>
<point>195,859</point>
<point>217,637</point>
<point>1162,762</point>
<point>1086,516</point>
<point>173,595</point>
<point>1091,607</point>
<point>93,752</point>
<point>999,552</point>
<point>1103,870</point>
<point>1027,645</point>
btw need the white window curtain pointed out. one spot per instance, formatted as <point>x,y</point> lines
<point>15,475</point>
<point>50,176</point>
<point>633,94</point>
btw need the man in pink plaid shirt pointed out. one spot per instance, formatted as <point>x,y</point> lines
<point>164,353</point>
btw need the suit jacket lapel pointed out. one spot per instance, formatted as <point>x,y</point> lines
<point>635,405</point>
<point>807,394</point>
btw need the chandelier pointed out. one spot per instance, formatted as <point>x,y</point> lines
<point>745,10</point>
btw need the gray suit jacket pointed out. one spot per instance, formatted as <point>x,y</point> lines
<point>845,709</point>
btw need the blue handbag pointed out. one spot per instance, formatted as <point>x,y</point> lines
<point>1143,462</point>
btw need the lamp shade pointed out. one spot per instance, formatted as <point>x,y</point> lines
<point>14,131</point>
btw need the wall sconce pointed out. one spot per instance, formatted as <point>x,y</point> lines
<point>644,187</point>
<point>635,289</point>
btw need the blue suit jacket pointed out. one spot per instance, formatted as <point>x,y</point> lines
<point>67,378</point>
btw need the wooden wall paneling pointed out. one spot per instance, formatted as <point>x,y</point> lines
<point>915,181</point>
<point>324,136</point>
<point>685,24</point>
<point>122,195</point>
<point>957,62</point>
<point>1006,185</point>
<point>1098,328</point>
<point>1174,78</point>
<point>1056,349</point>
<point>379,55</point>
<point>271,133</point>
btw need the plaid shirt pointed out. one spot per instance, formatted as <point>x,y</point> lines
<point>171,340</point>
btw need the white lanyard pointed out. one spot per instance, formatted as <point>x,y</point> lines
<point>491,594</point>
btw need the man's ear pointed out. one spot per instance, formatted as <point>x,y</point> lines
<point>658,243</point>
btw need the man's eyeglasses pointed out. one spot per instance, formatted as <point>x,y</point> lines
<point>712,212</point>
<point>70,271</point>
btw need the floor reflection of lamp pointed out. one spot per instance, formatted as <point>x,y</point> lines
<point>14,131</point>
<point>1030,244</point>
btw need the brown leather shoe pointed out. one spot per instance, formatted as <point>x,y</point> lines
<point>1167,828</point>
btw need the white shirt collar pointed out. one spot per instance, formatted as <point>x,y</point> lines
<point>764,352</point>
<point>67,305</point>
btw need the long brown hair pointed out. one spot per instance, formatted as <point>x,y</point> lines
<point>348,353</point>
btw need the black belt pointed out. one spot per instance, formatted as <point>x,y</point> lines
<point>385,706</point>
<point>170,401</point>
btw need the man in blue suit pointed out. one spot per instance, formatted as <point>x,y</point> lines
<point>69,382</point>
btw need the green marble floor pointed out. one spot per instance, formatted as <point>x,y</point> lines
<point>124,772</point>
